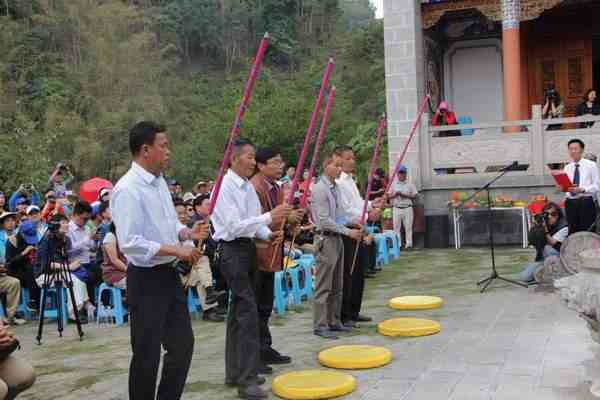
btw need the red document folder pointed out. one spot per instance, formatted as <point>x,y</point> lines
<point>562,180</point>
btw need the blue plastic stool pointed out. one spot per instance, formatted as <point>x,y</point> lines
<point>117,311</point>
<point>383,257</point>
<point>295,284</point>
<point>281,294</point>
<point>306,264</point>
<point>395,249</point>
<point>193,303</point>
<point>371,230</point>
<point>51,310</point>
<point>22,307</point>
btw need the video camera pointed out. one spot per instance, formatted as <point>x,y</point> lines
<point>550,94</point>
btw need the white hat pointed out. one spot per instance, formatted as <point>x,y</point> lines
<point>188,197</point>
<point>5,215</point>
<point>31,209</point>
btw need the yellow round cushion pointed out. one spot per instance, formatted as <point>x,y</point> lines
<point>415,302</point>
<point>408,327</point>
<point>355,357</point>
<point>313,384</point>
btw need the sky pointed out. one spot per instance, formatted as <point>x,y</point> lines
<point>379,5</point>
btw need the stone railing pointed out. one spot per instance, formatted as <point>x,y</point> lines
<point>470,160</point>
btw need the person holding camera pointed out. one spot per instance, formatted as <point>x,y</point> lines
<point>16,375</point>
<point>25,196</point>
<point>549,230</point>
<point>52,253</point>
<point>60,180</point>
<point>588,107</point>
<point>149,235</point>
<point>553,107</point>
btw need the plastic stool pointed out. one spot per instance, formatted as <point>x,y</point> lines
<point>51,310</point>
<point>306,264</point>
<point>193,303</point>
<point>22,307</point>
<point>117,311</point>
<point>281,294</point>
<point>383,257</point>
<point>395,249</point>
<point>295,284</point>
<point>371,230</point>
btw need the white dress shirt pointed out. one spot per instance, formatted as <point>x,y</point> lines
<point>588,177</point>
<point>145,218</point>
<point>237,213</point>
<point>351,203</point>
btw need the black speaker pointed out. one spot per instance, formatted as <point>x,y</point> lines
<point>437,231</point>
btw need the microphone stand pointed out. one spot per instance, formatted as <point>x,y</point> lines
<point>487,187</point>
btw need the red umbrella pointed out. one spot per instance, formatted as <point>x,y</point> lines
<point>90,189</point>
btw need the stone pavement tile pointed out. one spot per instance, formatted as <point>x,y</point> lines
<point>509,383</point>
<point>579,393</point>
<point>407,369</point>
<point>471,391</point>
<point>481,375</point>
<point>562,377</point>
<point>434,385</point>
<point>485,354</point>
<point>387,389</point>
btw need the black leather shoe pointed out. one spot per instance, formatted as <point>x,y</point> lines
<point>265,370</point>
<point>259,380</point>
<point>212,316</point>
<point>362,318</point>
<point>251,392</point>
<point>212,296</point>
<point>325,333</point>
<point>272,356</point>
<point>340,328</point>
<point>350,324</point>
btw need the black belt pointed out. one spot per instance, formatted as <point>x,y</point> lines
<point>240,241</point>
<point>327,233</point>
<point>403,208</point>
<point>168,265</point>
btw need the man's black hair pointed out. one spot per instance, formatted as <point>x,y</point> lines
<point>264,154</point>
<point>578,141</point>
<point>82,207</point>
<point>57,219</point>
<point>143,133</point>
<point>199,199</point>
<point>178,202</point>
<point>341,149</point>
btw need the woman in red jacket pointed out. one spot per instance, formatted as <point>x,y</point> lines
<point>442,117</point>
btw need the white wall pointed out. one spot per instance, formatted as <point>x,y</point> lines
<point>473,79</point>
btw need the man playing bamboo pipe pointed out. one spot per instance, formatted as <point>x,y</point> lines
<point>237,220</point>
<point>351,205</point>
<point>270,168</point>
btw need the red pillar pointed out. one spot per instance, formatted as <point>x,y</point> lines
<point>511,55</point>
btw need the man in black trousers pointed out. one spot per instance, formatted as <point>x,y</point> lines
<point>149,235</point>
<point>580,207</point>
<point>351,205</point>
<point>237,220</point>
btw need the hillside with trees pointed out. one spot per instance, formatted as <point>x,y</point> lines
<point>76,74</point>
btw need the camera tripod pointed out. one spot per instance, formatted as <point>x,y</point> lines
<point>56,272</point>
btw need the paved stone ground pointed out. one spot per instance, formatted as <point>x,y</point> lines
<point>509,343</point>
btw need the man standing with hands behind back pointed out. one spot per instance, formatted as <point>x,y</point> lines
<point>237,220</point>
<point>402,198</point>
<point>149,235</point>
<point>579,206</point>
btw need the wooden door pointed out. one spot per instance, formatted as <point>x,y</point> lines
<point>565,64</point>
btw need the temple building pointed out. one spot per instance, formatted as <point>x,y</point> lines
<point>494,62</point>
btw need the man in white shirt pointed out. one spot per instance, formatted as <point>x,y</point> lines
<point>351,206</point>
<point>237,220</point>
<point>149,235</point>
<point>402,198</point>
<point>580,207</point>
